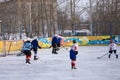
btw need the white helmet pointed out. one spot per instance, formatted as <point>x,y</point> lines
<point>35,37</point>
<point>25,40</point>
<point>56,35</point>
<point>28,39</point>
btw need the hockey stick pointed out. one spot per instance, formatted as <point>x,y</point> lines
<point>102,56</point>
<point>67,49</point>
<point>41,60</point>
<point>20,54</point>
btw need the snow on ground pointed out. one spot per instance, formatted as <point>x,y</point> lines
<point>57,67</point>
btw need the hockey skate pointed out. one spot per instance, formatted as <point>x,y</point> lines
<point>28,61</point>
<point>35,58</point>
<point>73,67</point>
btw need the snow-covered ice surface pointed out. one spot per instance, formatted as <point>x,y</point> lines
<point>57,67</point>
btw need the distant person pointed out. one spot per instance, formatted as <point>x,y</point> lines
<point>35,47</point>
<point>73,53</point>
<point>59,41</point>
<point>112,49</point>
<point>54,44</point>
<point>27,47</point>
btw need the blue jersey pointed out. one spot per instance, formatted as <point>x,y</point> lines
<point>54,39</point>
<point>72,55</point>
<point>59,40</point>
<point>35,44</point>
<point>74,49</point>
<point>27,45</point>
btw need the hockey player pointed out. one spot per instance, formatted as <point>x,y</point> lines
<point>73,53</point>
<point>59,42</point>
<point>112,48</point>
<point>35,47</point>
<point>27,46</point>
<point>54,44</point>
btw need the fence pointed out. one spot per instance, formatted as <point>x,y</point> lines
<point>8,46</point>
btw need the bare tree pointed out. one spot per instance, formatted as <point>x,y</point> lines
<point>107,17</point>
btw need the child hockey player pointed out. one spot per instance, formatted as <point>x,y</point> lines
<point>54,44</point>
<point>27,46</point>
<point>112,48</point>
<point>73,53</point>
<point>60,41</point>
<point>35,47</point>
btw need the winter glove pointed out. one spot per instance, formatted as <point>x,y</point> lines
<point>76,52</point>
<point>39,47</point>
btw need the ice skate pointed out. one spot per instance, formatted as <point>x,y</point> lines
<point>73,67</point>
<point>35,58</point>
<point>28,61</point>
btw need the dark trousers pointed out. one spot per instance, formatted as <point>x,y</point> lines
<point>28,55</point>
<point>54,50</point>
<point>112,51</point>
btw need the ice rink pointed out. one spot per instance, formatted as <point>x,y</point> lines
<point>57,67</point>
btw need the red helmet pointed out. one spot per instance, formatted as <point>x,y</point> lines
<point>60,34</point>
